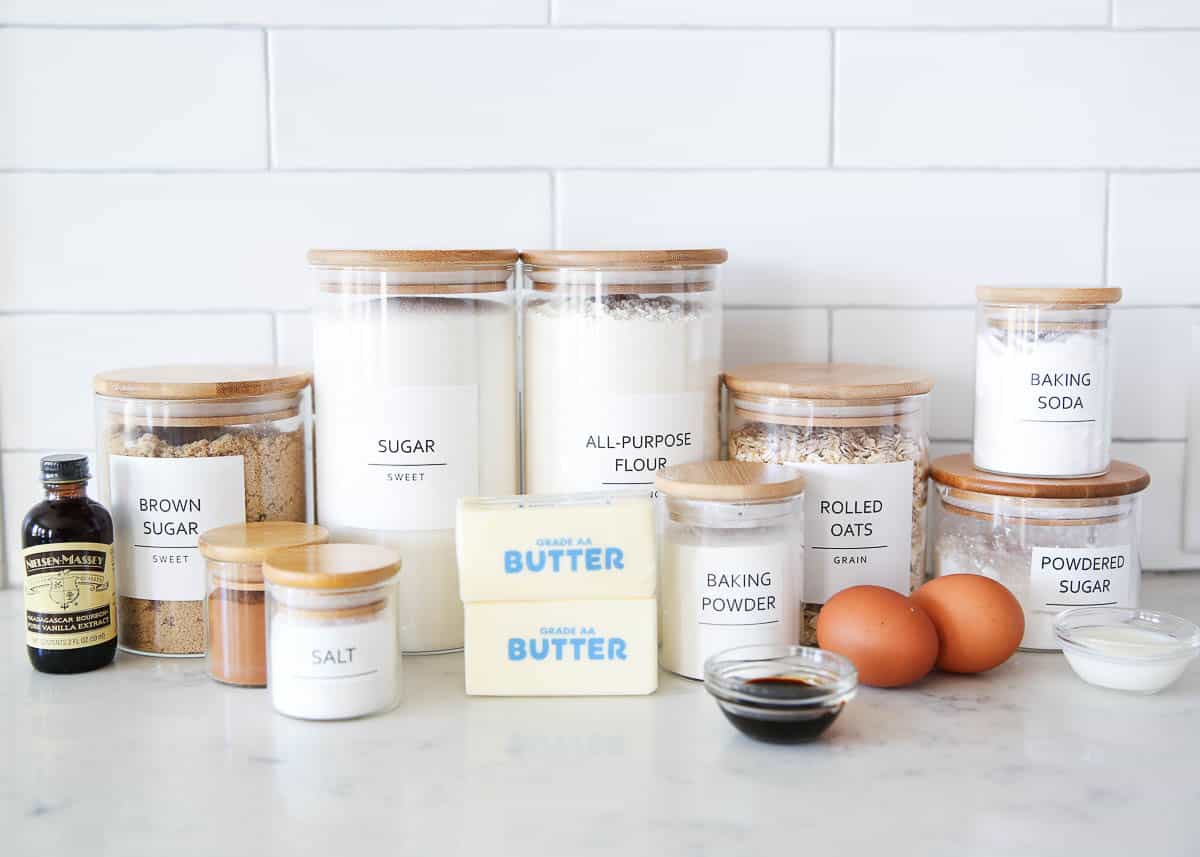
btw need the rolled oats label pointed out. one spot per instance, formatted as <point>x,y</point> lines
<point>70,596</point>
<point>1082,577</point>
<point>160,506</point>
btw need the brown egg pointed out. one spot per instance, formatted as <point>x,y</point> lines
<point>979,622</point>
<point>890,640</point>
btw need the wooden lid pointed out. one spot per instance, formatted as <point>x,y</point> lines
<point>646,260</point>
<point>849,382</point>
<point>249,543</point>
<point>957,471</point>
<point>1079,296</point>
<point>411,260</point>
<point>729,480</point>
<point>203,381</point>
<point>337,566</point>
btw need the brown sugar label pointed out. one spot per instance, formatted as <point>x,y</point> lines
<point>70,597</point>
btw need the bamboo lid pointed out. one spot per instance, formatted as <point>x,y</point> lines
<point>1078,296</point>
<point>202,381</point>
<point>729,480</point>
<point>412,260</point>
<point>847,382</point>
<point>957,471</point>
<point>331,566</point>
<point>249,543</point>
<point>643,260</point>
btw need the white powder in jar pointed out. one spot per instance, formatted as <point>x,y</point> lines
<point>617,388</point>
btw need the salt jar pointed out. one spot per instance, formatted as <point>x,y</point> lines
<point>860,435</point>
<point>1043,381</point>
<point>415,372</point>
<point>622,357</point>
<point>236,616</point>
<point>333,647</point>
<point>1055,543</point>
<point>731,571</point>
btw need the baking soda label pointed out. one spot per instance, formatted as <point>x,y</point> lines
<point>160,506</point>
<point>402,460</point>
<point>858,521</point>
<point>1048,389</point>
<point>1082,577</point>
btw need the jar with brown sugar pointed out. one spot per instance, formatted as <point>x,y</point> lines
<point>235,612</point>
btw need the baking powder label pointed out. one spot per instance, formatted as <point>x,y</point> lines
<point>398,460</point>
<point>1083,577</point>
<point>160,506</point>
<point>70,595</point>
<point>858,521</point>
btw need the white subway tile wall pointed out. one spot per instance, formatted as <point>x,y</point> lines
<point>164,167</point>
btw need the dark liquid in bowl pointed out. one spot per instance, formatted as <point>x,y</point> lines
<point>784,727</point>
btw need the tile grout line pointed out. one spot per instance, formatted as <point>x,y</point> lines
<point>274,316</point>
<point>270,99</point>
<point>666,169</point>
<point>556,230</point>
<point>1106,226</point>
<point>245,26</point>
<point>832,141</point>
<point>829,334</point>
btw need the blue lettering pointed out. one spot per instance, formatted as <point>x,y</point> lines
<point>556,555</point>
<point>595,649</point>
<point>574,554</point>
<point>512,562</point>
<point>516,649</point>
<point>614,558</point>
<point>558,643</point>
<point>531,565</point>
<point>616,649</point>
<point>577,646</point>
<point>592,559</point>
<point>538,653</point>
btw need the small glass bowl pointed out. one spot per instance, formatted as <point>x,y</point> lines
<point>778,693</point>
<point>1123,648</point>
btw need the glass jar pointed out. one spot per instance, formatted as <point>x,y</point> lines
<point>731,568</point>
<point>1055,543</point>
<point>622,355</point>
<point>333,644</point>
<point>236,616</point>
<point>415,367</point>
<point>1043,381</point>
<point>860,436</point>
<point>185,449</point>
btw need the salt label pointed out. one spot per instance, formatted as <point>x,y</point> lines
<point>1082,577</point>
<point>399,459</point>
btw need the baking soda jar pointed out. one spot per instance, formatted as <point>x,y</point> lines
<point>622,357</point>
<point>415,379</point>
<point>1043,381</point>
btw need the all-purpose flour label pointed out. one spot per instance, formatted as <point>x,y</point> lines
<point>160,506</point>
<point>1082,577</point>
<point>399,460</point>
<point>857,527</point>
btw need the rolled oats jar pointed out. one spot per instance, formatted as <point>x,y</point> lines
<point>185,449</point>
<point>859,434</point>
<point>1055,543</point>
<point>622,357</point>
<point>1043,381</point>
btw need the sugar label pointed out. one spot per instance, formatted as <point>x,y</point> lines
<point>1083,577</point>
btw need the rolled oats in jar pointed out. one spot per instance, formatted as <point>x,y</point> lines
<point>860,435</point>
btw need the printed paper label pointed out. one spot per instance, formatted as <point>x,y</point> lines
<point>70,596</point>
<point>1049,390</point>
<point>857,527</point>
<point>400,460</point>
<point>351,650</point>
<point>1082,577</point>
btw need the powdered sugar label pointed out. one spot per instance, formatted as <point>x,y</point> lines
<point>402,460</point>
<point>160,506</point>
<point>857,527</point>
<point>1082,577</point>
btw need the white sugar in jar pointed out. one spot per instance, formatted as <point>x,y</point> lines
<point>333,647</point>
<point>731,568</point>
<point>1043,381</point>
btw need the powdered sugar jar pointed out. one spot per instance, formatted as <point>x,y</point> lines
<point>1043,381</point>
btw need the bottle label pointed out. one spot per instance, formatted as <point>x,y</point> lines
<point>1083,577</point>
<point>160,506</point>
<point>70,596</point>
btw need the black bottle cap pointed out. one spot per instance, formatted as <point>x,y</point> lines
<point>65,467</point>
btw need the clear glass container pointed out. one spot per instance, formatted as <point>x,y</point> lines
<point>621,365</point>
<point>236,616</point>
<point>1043,381</point>
<point>1075,548</point>
<point>1140,651</point>
<point>333,643</point>
<point>185,449</point>
<point>860,436</point>
<point>731,568</point>
<point>415,367</point>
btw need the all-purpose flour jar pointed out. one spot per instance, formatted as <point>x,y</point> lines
<point>415,380</point>
<point>621,362</point>
<point>1043,381</point>
<point>1055,543</point>
<point>731,571</point>
<point>333,650</point>
<point>860,436</point>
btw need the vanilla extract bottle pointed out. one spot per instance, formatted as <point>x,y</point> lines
<point>70,594</point>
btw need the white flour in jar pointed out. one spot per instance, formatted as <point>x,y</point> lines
<point>617,388</point>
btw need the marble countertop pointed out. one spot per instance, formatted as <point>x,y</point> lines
<point>150,756</point>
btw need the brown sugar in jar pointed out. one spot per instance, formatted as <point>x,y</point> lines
<point>235,609</point>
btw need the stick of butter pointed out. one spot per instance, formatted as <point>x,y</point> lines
<point>562,648</point>
<point>556,548</point>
